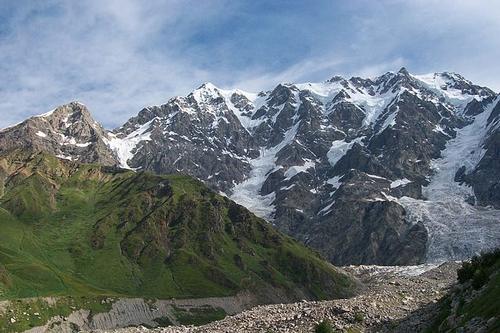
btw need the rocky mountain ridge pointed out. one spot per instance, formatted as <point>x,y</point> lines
<point>68,132</point>
<point>397,169</point>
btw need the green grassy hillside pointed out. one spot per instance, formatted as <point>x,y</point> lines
<point>474,304</point>
<point>73,229</point>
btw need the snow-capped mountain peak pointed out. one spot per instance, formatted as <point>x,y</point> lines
<point>345,161</point>
<point>206,93</point>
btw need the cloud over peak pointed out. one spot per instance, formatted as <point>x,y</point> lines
<point>120,55</point>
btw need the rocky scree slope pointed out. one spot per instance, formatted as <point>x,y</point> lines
<point>397,169</point>
<point>81,229</point>
<point>396,300</point>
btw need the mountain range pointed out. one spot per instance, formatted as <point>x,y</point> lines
<point>393,170</point>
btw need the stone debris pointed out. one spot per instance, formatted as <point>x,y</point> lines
<point>388,304</point>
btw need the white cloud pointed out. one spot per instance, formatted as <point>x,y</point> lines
<point>261,79</point>
<point>98,52</point>
<point>118,56</point>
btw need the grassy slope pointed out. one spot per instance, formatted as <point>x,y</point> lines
<point>70,229</point>
<point>478,295</point>
<point>34,312</point>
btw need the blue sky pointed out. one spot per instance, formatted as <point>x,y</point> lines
<point>117,56</point>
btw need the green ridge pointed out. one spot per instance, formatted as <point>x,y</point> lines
<point>71,229</point>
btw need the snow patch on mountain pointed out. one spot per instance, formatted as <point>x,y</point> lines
<point>440,129</point>
<point>335,181</point>
<point>442,84</point>
<point>373,105</point>
<point>399,182</point>
<point>83,145</point>
<point>65,157</point>
<point>71,141</point>
<point>125,147</point>
<point>245,119</point>
<point>327,209</point>
<point>247,193</point>
<point>339,148</point>
<point>294,170</point>
<point>389,121</point>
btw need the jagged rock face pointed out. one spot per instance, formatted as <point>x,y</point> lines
<point>485,177</point>
<point>197,135</point>
<point>369,229</point>
<point>68,132</point>
<point>374,171</point>
<point>285,154</point>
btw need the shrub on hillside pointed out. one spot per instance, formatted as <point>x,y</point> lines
<point>479,269</point>
<point>324,327</point>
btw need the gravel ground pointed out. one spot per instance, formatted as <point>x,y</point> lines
<point>394,300</point>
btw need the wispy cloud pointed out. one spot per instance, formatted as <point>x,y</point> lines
<point>117,56</point>
<point>99,52</point>
<point>308,69</point>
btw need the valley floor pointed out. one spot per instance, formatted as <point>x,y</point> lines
<point>395,300</point>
